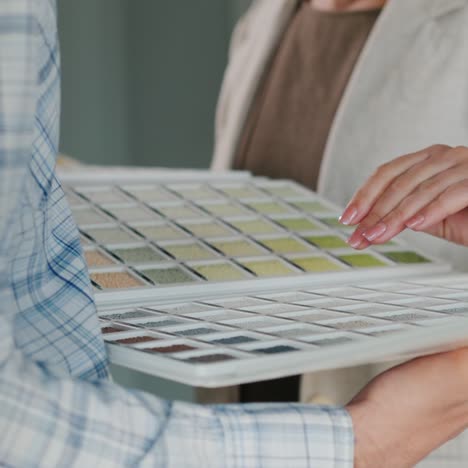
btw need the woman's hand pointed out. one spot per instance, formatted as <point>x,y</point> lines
<point>410,410</point>
<point>425,191</point>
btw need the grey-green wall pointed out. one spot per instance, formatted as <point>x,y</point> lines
<point>141,78</point>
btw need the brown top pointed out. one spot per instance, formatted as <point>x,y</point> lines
<point>287,127</point>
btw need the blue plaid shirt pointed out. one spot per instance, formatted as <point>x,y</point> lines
<point>57,406</point>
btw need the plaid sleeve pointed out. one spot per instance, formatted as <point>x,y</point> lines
<point>52,412</point>
<point>63,422</point>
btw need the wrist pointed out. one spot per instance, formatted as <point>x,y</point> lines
<point>386,437</point>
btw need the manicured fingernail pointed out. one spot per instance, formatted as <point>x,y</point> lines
<point>415,221</point>
<point>349,215</point>
<point>376,231</point>
<point>354,241</point>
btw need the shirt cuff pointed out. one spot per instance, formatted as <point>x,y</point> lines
<point>281,436</point>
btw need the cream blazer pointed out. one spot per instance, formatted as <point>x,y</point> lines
<point>408,90</point>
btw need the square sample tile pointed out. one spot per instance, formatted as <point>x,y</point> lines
<point>362,260</point>
<point>88,216</point>
<point>108,195</point>
<point>275,349</point>
<point>298,224</point>
<point>285,245</point>
<point>405,257</point>
<point>204,230</point>
<point>269,208</point>
<point>243,192</point>
<point>132,314</point>
<point>196,193</point>
<point>112,329</point>
<point>169,275</point>
<point>194,331</point>
<point>116,280</point>
<point>143,254</point>
<point>134,339</point>
<point>265,268</point>
<point>169,348</point>
<point>161,232</point>
<point>210,358</point>
<point>189,252</point>
<point>327,242</point>
<point>132,213</point>
<point>233,339</point>
<point>178,211</point>
<point>238,248</point>
<point>255,226</point>
<point>157,324</point>
<point>111,235</point>
<point>316,264</point>
<point>151,194</point>
<point>220,272</point>
<point>284,190</point>
<point>95,258</point>
<point>225,209</point>
<point>310,206</point>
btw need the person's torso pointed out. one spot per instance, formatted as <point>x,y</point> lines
<point>289,120</point>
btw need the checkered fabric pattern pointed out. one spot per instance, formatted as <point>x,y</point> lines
<point>57,405</point>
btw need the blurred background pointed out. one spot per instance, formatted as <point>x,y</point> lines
<point>141,78</point>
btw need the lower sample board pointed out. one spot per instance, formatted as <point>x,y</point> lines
<point>219,340</point>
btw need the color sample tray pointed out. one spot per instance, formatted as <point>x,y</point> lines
<point>203,231</point>
<point>214,280</point>
<point>218,341</point>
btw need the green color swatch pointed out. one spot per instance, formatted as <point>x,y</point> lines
<point>111,235</point>
<point>316,264</point>
<point>257,226</point>
<point>139,255</point>
<point>310,206</point>
<point>327,242</point>
<point>362,260</point>
<point>189,252</point>
<point>133,213</point>
<point>243,191</point>
<point>105,196</point>
<point>406,257</point>
<point>268,268</point>
<point>220,272</point>
<point>171,275</point>
<point>240,248</point>
<point>199,193</point>
<point>152,195</point>
<point>178,211</point>
<point>225,209</point>
<point>285,245</point>
<point>208,230</point>
<point>88,216</point>
<point>269,208</point>
<point>298,224</point>
<point>161,232</point>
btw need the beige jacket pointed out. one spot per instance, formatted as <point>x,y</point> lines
<point>408,90</point>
